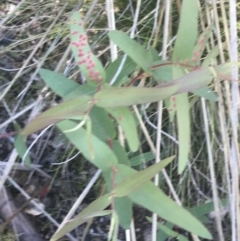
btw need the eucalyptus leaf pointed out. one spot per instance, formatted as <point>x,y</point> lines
<point>21,148</point>
<point>142,158</point>
<point>102,125</point>
<point>153,199</point>
<point>93,210</point>
<point>65,87</point>
<point>127,69</point>
<point>186,36</point>
<point>127,96</point>
<point>104,157</point>
<point>138,179</point>
<point>133,49</point>
<point>71,109</point>
<point>89,64</point>
<point>126,120</point>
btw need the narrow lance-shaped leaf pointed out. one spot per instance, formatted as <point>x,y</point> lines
<point>162,72</point>
<point>142,158</point>
<point>21,148</point>
<point>183,123</point>
<point>113,67</point>
<point>133,49</point>
<point>171,233</point>
<point>199,47</point>
<point>192,81</point>
<point>88,63</point>
<point>187,33</point>
<point>102,124</point>
<point>70,109</point>
<point>127,96</point>
<point>92,210</point>
<point>126,120</point>
<point>104,157</point>
<point>122,205</point>
<point>138,179</point>
<point>153,199</point>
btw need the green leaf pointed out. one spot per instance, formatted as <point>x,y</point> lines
<point>183,122</point>
<point>120,153</point>
<point>102,126</point>
<point>58,82</point>
<point>126,120</point>
<point>153,53</point>
<point>190,82</point>
<point>214,52</point>
<point>63,86</point>
<point>187,33</point>
<point>162,71</point>
<point>104,157</point>
<point>21,148</point>
<point>127,69</point>
<point>127,96</point>
<point>136,180</point>
<point>171,233</point>
<point>140,159</point>
<point>93,210</point>
<point>88,63</point>
<point>202,210</point>
<point>153,199</point>
<point>123,205</point>
<point>70,109</point>
<point>206,93</point>
<point>224,71</point>
<point>200,46</point>
<point>133,49</point>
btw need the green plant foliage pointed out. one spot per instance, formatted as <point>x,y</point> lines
<point>199,47</point>
<point>186,36</point>
<point>136,180</point>
<point>127,69</point>
<point>101,108</point>
<point>153,199</point>
<point>133,49</point>
<point>191,81</point>
<point>126,120</point>
<point>65,87</point>
<point>214,52</point>
<point>88,63</point>
<point>127,96</point>
<point>120,153</point>
<point>142,158</point>
<point>123,207</point>
<point>119,203</point>
<point>122,203</point>
<point>206,93</point>
<point>21,148</point>
<point>164,73</point>
<point>113,232</point>
<point>104,157</point>
<point>70,109</point>
<point>93,210</point>
<point>170,233</point>
<point>201,211</point>
<point>183,51</point>
<point>102,125</point>
<point>183,122</point>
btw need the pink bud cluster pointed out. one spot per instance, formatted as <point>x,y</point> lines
<point>85,58</point>
<point>201,47</point>
<point>173,98</point>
